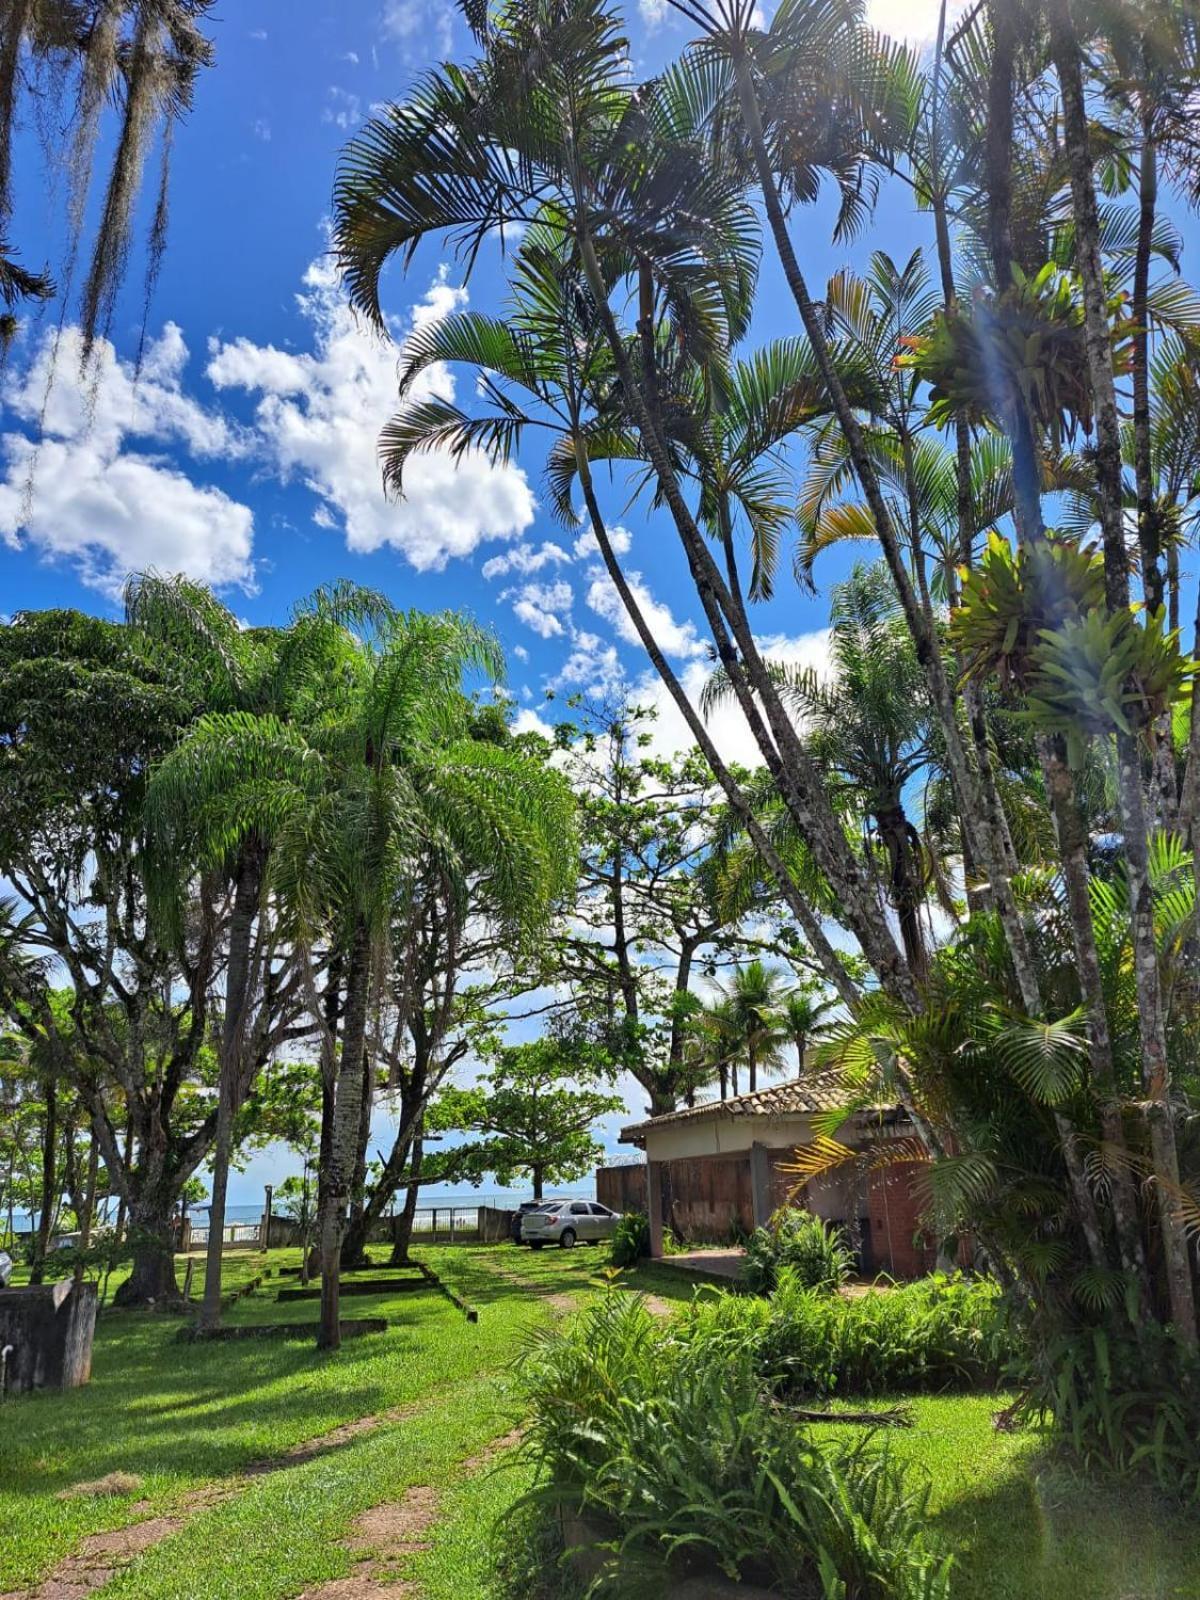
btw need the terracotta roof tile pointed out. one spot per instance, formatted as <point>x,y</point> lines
<point>815,1091</point>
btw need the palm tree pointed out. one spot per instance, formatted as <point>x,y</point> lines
<point>757,1000</point>
<point>252,683</point>
<point>544,128</point>
<point>805,1019</point>
<point>357,798</point>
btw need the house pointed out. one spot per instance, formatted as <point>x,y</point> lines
<point>718,1169</point>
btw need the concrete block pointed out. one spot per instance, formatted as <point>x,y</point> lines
<point>47,1332</point>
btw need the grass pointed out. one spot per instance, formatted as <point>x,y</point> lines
<point>179,1416</point>
<point>182,1415</point>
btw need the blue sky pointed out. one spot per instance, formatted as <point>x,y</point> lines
<point>245,453</point>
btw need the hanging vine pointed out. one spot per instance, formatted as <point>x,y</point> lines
<point>142,58</point>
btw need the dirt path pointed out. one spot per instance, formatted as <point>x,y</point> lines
<point>383,1539</point>
<point>101,1555</point>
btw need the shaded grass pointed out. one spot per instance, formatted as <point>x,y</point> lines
<point>181,1415</point>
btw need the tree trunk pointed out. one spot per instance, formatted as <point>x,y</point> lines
<point>247,889</point>
<point>347,1106</point>
<point>152,1281</point>
<point>920,624</point>
<point>1072,850</point>
<point>537,1175</point>
<point>49,1198</point>
<point>354,1245</point>
<point>402,1236</point>
<point>810,923</point>
<point>799,782</point>
<point>1151,1012</point>
<point>906,892</point>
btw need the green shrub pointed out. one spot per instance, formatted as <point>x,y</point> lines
<point>1125,1406</point>
<point>937,1333</point>
<point>676,1455</point>
<point>631,1239</point>
<point>813,1250</point>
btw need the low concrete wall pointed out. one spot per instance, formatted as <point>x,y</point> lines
<point>48,1333</point>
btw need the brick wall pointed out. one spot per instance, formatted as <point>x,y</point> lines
<point>898,1244</point>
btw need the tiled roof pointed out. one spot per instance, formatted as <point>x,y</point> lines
<point>815,1091</point>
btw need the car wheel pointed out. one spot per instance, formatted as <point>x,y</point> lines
<point>567,1240</point>
<point>536,1244</point>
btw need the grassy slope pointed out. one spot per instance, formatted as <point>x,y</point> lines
<point>180,1415</point>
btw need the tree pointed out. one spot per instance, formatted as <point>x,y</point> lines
<point>82,716</point>
<point>252,682</point>
<point>1048,696</point>
<point>141,57</point>
<point>534,1118</point>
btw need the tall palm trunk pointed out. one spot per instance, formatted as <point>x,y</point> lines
<point>799,783</point>
<point>1151,1007</point>
<point>247,889</point>
<point>810,923</point>
<point>354,1244</point>
<point>920,624</point>
<point>343,1140</point>
<point>1027,514</point>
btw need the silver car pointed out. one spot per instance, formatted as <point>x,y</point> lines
<point>568,1222</point>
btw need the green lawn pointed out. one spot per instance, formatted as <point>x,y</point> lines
<point>180,1416</point>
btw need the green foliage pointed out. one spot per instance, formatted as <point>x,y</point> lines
<point>631,1239</point>
<point>1024,346</point>
<point>797,1240</point>
<point>936,1333</point>
<point>677,1452</point>
<point>1125,1404</point>
<point>535,1112</point>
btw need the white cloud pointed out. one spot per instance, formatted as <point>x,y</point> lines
<point>415,23</point>
<point>525,559</point>
<point>620,538</point>
<point>913,20</point>
<point>261,129</point>
<point>342,107</point>
<point>351,56</point>
<point>85,497</point>
<point>676,638</point>
<point>652,12</point>
<point>521,654</point>
<point>527,721</point>
<point>318,417</point>
<point>258,33</point>
<point>540,605</point>
<point>725,723</point>
<point>592,665</point>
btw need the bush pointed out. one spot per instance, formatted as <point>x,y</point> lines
<point>938,1333</point>
<point>1126,1405</point>
<point>631,1239</point>
<point>808,1245</point>
<point>678,1457</point>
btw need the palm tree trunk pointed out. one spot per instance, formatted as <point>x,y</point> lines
<point>354,1244</point>
<point>1072,851</point>
<point>233,1035</point>
<point>343,1141</point>
<point>919,623</point>
<point>810,924</point>
<point>1151,1011</point>
<point>799,783</point>
<point>1148,530</point>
